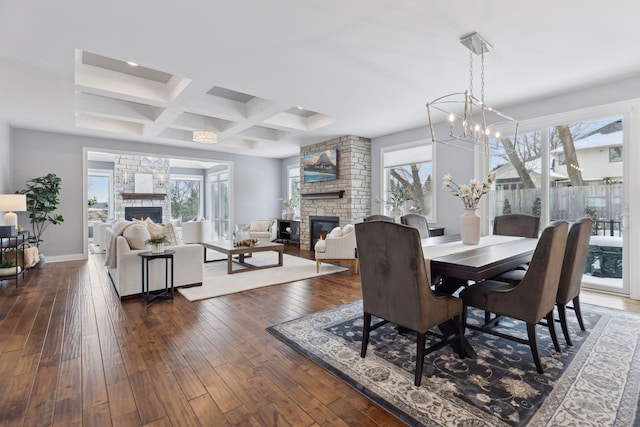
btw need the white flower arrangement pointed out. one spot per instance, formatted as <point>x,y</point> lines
<point>469,194</point>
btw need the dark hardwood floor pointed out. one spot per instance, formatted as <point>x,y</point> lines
<point>72,353</point>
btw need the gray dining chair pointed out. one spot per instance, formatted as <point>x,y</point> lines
<point>532,299</point>
<point>379,218</point>
<point>396,288</point>
<point>518,225</point>
<point>570,281</point>
<point>417,221</point>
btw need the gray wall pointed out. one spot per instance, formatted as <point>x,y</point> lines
<point>460,163</point>
<point>256,180</point>
<point>6,168</point>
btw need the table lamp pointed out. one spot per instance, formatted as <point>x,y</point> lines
<point>10,203</point>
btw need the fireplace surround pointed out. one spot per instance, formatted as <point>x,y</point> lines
<point>321,226</point>
<point>142,212</point>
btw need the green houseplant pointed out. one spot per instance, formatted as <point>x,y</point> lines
<point>157,243</point>
<point>397,198</point>
<point>42,201</point>
<point>290,205</point>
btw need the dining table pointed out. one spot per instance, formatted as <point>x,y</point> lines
<point>452,264</point>
<point>447,256</point>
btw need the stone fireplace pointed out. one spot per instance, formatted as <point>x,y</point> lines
<point>347,198</point>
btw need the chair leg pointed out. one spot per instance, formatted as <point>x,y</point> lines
<point>576,308</point>
<point>317,266</point>
<point>562,313</point>
<point>552,330</point>
<point>365,334</point>
<point>421,340</point>
<point>356,265</point>
<point>460,323</point>
<point>531,332</point>
<point>487,317</point>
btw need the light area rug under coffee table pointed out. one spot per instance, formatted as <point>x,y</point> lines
<point>217,282</point>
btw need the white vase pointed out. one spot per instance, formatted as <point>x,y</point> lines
<point>157,248</point>
<point>470,227</point>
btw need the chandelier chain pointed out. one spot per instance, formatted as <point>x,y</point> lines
<point>482,76</point>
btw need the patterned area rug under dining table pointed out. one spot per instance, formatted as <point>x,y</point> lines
<point>594,383</point>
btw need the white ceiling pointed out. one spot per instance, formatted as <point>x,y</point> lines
<point>362,67</point>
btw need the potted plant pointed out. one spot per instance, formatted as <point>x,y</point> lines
<point>9,268</point>
<point>42,201</point>
<point>398,197</point>
<point>290,205</point>
<point>157,243</point>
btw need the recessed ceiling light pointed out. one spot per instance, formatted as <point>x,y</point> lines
<point>300,108</point>
<point>133,64</point>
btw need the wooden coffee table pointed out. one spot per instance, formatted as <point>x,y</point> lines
<point>244,252</point>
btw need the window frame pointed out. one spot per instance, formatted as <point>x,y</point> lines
<point>184,177</point>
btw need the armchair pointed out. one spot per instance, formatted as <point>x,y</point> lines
<point>339,245</point>
<point>265,230</point>
<point>196,231</point>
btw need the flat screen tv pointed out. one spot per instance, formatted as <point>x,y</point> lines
<point>320,166</point>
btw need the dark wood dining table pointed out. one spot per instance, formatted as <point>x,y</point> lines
<point>478,262</point>
<point>452,266</point>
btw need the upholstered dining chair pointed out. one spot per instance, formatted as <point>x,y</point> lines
<point>519,225</point>
<point>570,282</point>
<point>396,288</point>
<point>380,218</point>
<point>532,299</point>
<point>417,221</point>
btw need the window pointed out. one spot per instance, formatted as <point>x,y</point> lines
<point>410,170</point>
<point>293,185</point>
<point>615,154</point>
<point>219,203</point>
<point>99,195</point>
<point>186,197</point>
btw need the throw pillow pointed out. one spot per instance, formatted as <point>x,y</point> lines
<point>167,230</point>
<point>336,232</point>
<point>347,229</point>
<point>136,235</point>
<point>260,225</point>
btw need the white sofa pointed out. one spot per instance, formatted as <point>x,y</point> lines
<point>339,245</point>
<point>196,231</point>
<point>124,266</point>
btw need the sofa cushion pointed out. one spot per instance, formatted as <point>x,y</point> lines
<point>336,232</point>
<point>347,229</point>
<point>136,235</point>
<point>260,225</point>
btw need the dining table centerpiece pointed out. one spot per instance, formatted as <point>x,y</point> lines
<point>470,194</point>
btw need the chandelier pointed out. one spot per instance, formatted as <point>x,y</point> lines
<point>469,119</point>
<point>205,136</point>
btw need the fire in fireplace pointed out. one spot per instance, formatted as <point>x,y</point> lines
<point>143,212</point>
<point>321,226</point>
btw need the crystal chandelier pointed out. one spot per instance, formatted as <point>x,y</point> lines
<point>205,136</point>
<point>469,119</point>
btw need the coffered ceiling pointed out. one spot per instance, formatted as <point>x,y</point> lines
<point>269,77</point>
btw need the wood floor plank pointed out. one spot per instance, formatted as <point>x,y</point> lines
<point>73,354</point>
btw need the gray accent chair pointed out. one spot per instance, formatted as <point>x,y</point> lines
<point>379,218</point>
<point>417,221</point>
<point>396,288</point>
<point>531,299</point>
<point>570,283</point>
<point>519,225</point>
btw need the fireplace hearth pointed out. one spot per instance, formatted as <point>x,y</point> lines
<point>321,226</point>
<point>143,212</point>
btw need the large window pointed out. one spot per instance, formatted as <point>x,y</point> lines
<point>99,195</point>
<point>293,185</point>
<point>219,198</point>
<point>408,171</point>
<point>186,197</point>
<point>567,171</point>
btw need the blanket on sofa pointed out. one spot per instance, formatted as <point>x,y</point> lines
<point>111,260</point>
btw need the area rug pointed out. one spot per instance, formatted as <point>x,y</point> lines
<point>217,282</point>
<point>594,383</point>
